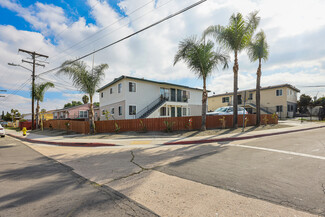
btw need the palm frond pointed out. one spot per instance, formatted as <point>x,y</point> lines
<point>258,48</point>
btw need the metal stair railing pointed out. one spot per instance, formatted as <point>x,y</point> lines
<point>150,106</point>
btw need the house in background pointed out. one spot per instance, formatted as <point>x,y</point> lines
<point>75,112</point>
<point>280,99</point>
<point>131,98</point>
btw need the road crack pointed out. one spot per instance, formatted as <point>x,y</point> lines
<point>142,169</point>
<point>323,187</point>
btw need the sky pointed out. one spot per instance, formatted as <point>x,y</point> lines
<point>66,30</point>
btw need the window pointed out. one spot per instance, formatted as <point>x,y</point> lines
<point>112,111</point>
<point>184,111</point>
<point>279,92</point>
<point>120,110</point>
<point>279,108</point>
<point>132,110</point>
<point>119,88</point>
<point>225,99</point>
<point>189,111</point>
<point>163,111</point>
<point>111,90</point>
<point>102,94</point>
<point>103,112</point>
<point>83,114</point>
<point>132,87</point>
<point>164,92</point>
<point>290,108</point>
<point>250,96</point>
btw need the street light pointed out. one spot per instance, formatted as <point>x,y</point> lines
<point>13,64</point>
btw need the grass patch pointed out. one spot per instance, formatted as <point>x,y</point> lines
<point>13,128</point>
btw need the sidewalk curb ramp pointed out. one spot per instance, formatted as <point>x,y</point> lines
<point>238,138</point>
<point>73,144</point>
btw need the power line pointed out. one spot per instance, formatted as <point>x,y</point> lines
<point>104,28</point>
<point>129,36</point>
<point>109,33</point>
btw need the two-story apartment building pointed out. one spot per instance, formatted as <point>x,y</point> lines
<point>131,98</point>
<point>280,99</point>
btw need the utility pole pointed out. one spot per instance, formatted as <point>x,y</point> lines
<point>34,55</point>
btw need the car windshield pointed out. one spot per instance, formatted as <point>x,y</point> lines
<point>222,109</point>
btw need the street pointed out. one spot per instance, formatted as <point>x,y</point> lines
<point>34,185</point>
<point>286,169</point>
<point>280,175</point>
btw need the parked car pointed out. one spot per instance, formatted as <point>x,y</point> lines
<point>228,110</point>
<point>2,131</point>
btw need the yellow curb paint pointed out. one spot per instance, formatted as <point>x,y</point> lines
<point>141,142</point>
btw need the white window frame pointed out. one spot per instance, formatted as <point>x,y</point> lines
<point>280,106</point>
<point>225,101</point>
<point>120,114</point>
<point>189,112</point>
<point>119,88</point>
<point>134,88</point>
<point>135,110</point>
<point>280,91</point>
<point>165,112</point>
<point>112,110</point>
<point>83,114</point>
<point>102,94</point>
<point>184,109</point>
<point>111,90</point>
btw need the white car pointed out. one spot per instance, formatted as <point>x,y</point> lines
<point>228,110</point>
<point>2,131</point>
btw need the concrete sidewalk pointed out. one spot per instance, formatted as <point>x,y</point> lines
<point>75,140</point>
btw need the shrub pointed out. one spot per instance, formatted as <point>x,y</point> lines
<point>223,122</point>
<point>265,120</point>
<point>117,128</point>
<point>169,126</point>
<point>143,126</point>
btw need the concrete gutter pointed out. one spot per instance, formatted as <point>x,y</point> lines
<point>74,144</point>
<point>187,142</point>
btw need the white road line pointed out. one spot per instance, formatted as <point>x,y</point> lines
<point>279,151</point>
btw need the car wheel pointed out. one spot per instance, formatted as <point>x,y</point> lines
<point>2,136</point>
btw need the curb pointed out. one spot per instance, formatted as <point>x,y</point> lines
<point>238,138</point>
<point>72,144</point>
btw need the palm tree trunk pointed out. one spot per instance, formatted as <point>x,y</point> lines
<point>258,94</point>
<point>91,116</point>
<point>235,98</point>
<point>204,105</point>
<point>37,114</point>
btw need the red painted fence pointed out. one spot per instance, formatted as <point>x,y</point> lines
<point>158,124</point>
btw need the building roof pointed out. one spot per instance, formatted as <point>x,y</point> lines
<point>72,107</point>
<point>262,88</point>
<point>146,80</point>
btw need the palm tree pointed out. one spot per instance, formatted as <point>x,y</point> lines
<point>235,37</point>
<point>39,91</point>
<point>258,49</point>
<point>85,99</point>
<point>86,81</point>
<point>201,58</point>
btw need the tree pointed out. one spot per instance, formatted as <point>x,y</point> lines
<point>85,99</point>
<point>258,49</point>
<point>303,103</point>
<point>39,91</point>
<point>86,81</point>
<point>201,58</point>
<point>96,104</point>
<point>235,37</point>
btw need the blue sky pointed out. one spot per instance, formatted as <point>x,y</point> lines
<point>69,29</point>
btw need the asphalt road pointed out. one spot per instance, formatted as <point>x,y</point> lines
<point>34,185</point>
<point>286,169</point>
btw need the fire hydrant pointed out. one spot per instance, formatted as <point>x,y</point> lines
<point>24,131</point>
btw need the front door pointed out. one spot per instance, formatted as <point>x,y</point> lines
<point>172,111</point>
<point>179,111</point>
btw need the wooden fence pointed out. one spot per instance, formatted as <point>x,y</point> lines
<point>159,124</point>
<point>75,126</point>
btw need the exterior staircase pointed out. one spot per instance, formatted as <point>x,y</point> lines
<point>148,110</point>
<point>265,110</point>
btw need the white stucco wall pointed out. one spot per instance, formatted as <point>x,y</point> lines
<point>146,93</point>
